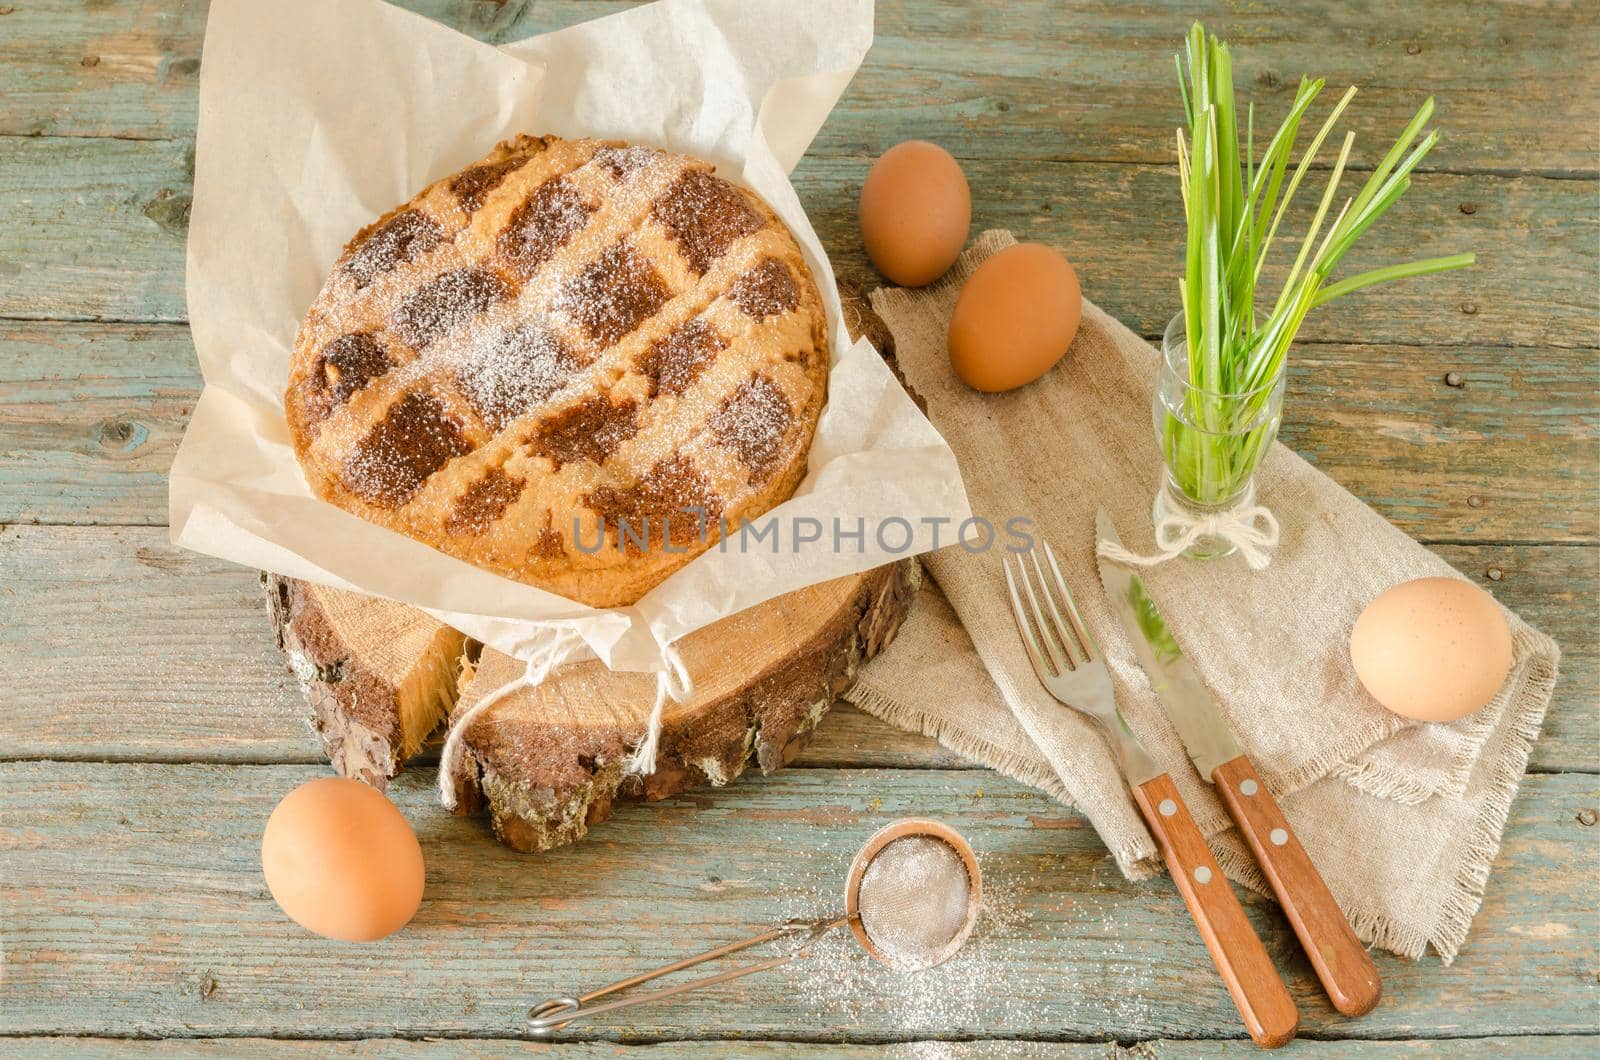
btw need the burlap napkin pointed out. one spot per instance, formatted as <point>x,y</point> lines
<point>1404,820</point>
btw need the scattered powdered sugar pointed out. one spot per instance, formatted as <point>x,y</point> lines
<point>752,422</point>
<point>914,900</point>
<point>624,162</point>
<point>506,373</point>
<point>976,987</point>
<point>1054,946</point>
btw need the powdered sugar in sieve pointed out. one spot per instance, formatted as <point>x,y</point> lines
<point>915,900</point>
<point>913,894</point>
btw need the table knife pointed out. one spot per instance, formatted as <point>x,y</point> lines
<point>1069,665</point>
<point>1341,962</point>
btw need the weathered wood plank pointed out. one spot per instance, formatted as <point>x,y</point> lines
<point>91,414</point>
<point>90,419</point>
<point>141,630</point>
<point>95,228</point>
<point>268,1048</point>
<point>99,234</point>
<point>104,625</point>
<point>1035,79</point>
<point>1454,443</point>
<point>1122,227</point>
<point>134,905</point>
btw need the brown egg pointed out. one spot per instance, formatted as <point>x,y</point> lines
<point>342,861</point>
<point>915,212</point>
<point>1433,649</point>
<point>1016,316</point>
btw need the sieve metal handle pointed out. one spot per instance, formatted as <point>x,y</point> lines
<point>550,1016</point>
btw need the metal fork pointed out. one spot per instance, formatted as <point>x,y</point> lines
<point>1071,668</point>
<point>1067,659</point>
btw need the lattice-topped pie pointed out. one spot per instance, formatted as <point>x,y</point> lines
<point>568,363</point>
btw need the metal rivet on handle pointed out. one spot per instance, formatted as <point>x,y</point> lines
<point>1203,874</point>
<point>1167,807</point>
<point>1248,787</point>
<point>1279,837</point>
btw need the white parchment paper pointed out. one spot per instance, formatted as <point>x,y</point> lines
<point>318,115</point>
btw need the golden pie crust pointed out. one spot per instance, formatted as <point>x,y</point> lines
<point>568,343</point>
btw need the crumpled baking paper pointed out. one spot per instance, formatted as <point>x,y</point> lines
<point>317,116</point>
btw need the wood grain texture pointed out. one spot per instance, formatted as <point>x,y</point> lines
<point>1576,1045</point>
<point>131,901</point>
<point>1034,79</point>
<point>1341,962</point>
<point>98,615</point>
<point>548,762</point>
<point>1259,993</point>
<point>106,242</point>
<point>71,200</point>
<point>379,677</point>
<point>90,419</point>
<point>91,415</point>
<point>134,906</point>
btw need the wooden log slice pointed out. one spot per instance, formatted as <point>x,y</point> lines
<point>547,762</point>
<point>380,677</point>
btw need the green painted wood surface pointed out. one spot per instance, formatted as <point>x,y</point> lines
<point>134,905</point>
<point>71,201</point>
<point>1528,1046</point>
<point>108,624</point>
<point>1518,86</point>
<point>91,415</point>
<point>130,903</point>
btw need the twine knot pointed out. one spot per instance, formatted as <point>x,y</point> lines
<point>673,681</point>
<point>1252,530</point>
<point>546,649</point>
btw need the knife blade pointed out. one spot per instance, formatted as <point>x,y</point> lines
<point>1341,962</point>
<point>1189,704</point>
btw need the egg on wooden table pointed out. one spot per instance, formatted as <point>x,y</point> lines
<point>1432,649</point>
<point>916,209</point>
<point>1015,318</point>
<point>342,861</point>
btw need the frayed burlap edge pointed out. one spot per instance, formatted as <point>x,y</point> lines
<point>1135,864</point>
<point>1532,650</point>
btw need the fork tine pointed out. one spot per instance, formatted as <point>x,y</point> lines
<point>1062,665</point>
<point>1078,625</point>
<point>1075,654</point>
<point>1025,630</point>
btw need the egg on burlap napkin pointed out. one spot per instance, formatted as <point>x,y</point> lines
<point>1403,819</point>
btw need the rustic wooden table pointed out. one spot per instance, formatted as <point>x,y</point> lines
<point>150,725</point>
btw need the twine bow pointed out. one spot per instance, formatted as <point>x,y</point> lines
<point>1252,530</point>
<point>547,649</point>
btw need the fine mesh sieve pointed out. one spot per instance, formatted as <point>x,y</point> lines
<point>913,894</point>
<point>911,899</point>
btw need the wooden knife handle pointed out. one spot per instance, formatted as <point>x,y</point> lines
<point>1342,963</point>
<point>1263,1001</point>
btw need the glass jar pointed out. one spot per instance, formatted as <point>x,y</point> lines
<point>1211,443</point>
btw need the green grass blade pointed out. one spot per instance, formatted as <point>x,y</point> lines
<point>1354,228</point>
<point>1275,160</point>
<point>1366,213</point>
<point>1183,90</point>
<point>1316,223</point>
<point>1234,208</point>
<point>1408,134</point>
<point>1392,272</point>
<point>1300,171</point>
